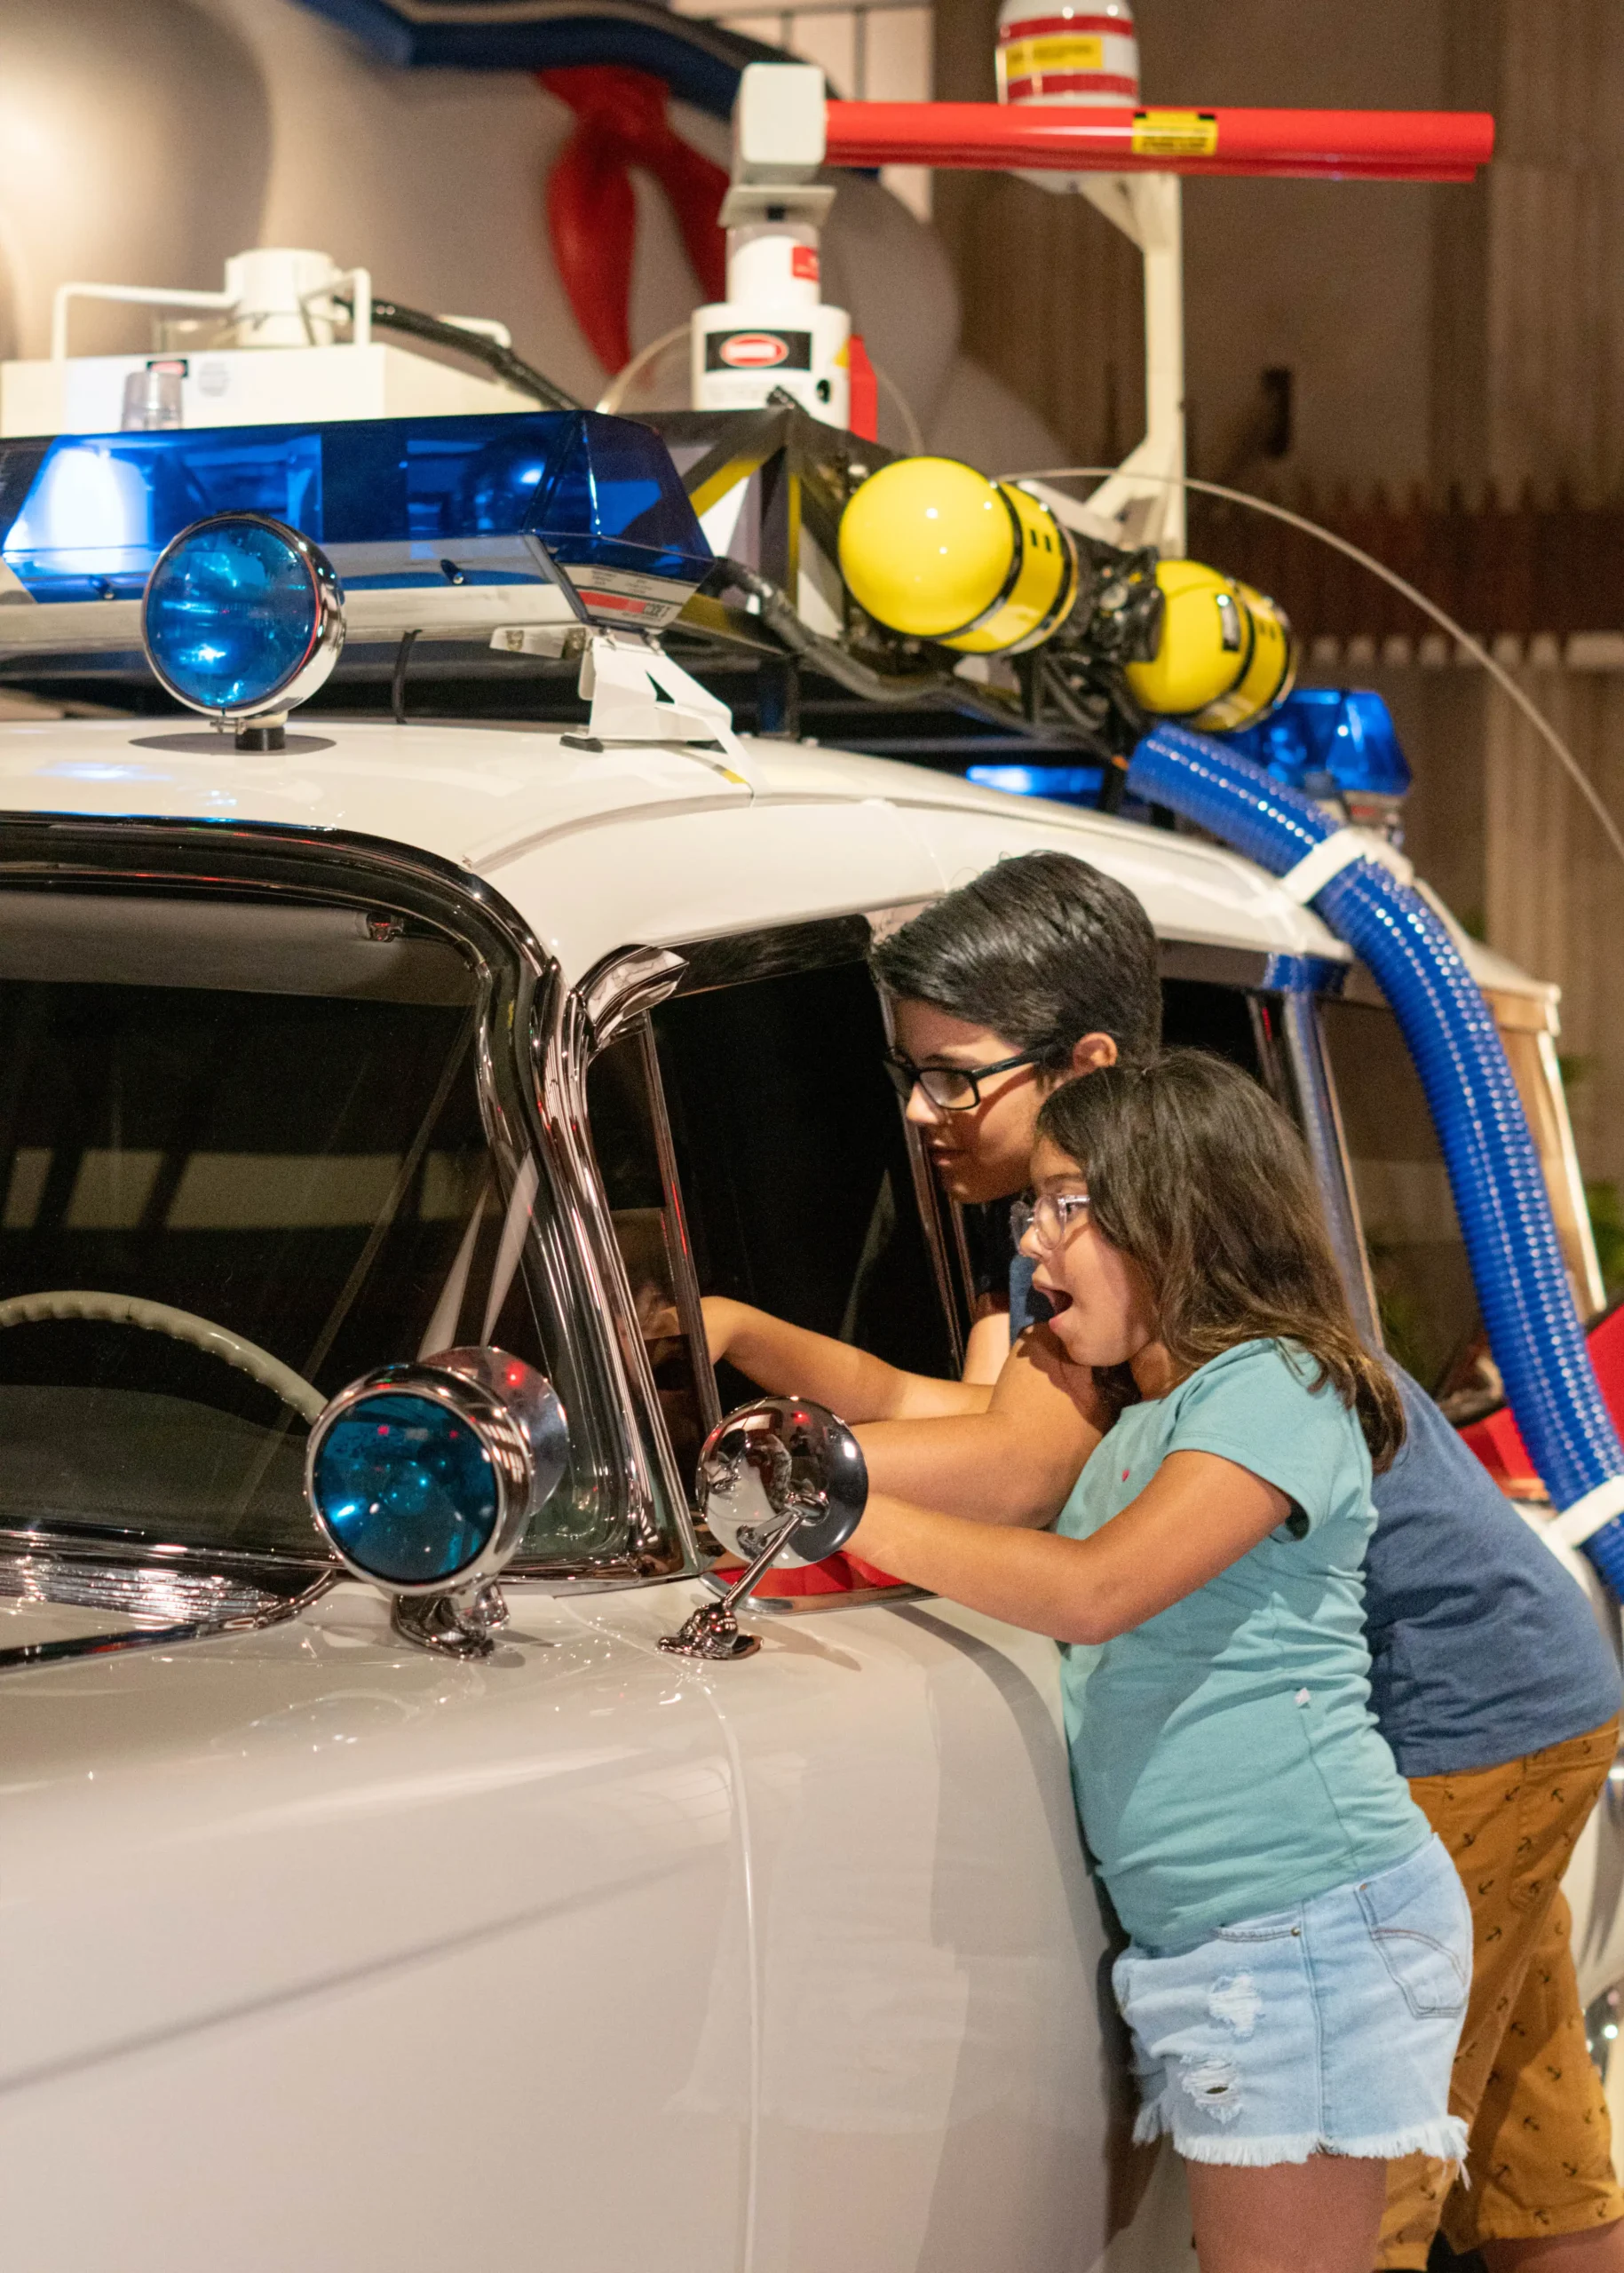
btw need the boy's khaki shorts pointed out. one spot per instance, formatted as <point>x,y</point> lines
<point>1540,2160</point>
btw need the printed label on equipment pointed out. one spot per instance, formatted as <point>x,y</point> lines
<point>1026,58</point>
<point>1174,134</point>
<point>624,596</point>
<point>758,351</point>
<point>804,263</point>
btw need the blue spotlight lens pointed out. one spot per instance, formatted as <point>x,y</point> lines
<point>406,1490</point>
<point>234,614</point>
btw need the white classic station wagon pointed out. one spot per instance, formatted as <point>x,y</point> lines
<point>346,1925</point>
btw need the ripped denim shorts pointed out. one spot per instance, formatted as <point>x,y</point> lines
<point>1326,2028</point>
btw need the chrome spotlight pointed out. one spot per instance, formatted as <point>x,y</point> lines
<point>243,617</point>
<point>422,1478</point>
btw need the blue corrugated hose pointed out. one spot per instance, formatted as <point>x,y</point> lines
<point>1533,1329</point>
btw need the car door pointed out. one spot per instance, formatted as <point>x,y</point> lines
<point>938,2077</point>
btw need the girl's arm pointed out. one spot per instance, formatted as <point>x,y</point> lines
<point>792,1362</point>
<point>1198,1514</point>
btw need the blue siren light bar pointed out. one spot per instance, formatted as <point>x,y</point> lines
<point>1328,740</point>
<point>1071,785</point>
<point>397,503</point>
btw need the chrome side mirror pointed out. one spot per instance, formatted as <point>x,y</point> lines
<point>423,1477</point>
<point>781,1480</point>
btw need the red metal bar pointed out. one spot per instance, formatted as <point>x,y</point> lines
<point>1327,145</point>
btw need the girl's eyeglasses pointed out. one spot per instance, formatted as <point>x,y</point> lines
<point>1048,1219</point>
<point>951,1089</point>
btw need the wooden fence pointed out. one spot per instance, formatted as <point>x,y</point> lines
<point>1529,571</point>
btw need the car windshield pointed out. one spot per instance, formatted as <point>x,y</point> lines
<point>231,1131</point>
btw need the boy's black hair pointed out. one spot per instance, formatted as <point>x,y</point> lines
<point>1042,949</point>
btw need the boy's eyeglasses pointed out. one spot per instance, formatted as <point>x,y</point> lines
<point>1048,1219</point>
<point>951,1089</point>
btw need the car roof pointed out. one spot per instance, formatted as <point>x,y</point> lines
<point>648,844</point>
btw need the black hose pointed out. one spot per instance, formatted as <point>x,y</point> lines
<point>900,688</point>
<point>389,315</point>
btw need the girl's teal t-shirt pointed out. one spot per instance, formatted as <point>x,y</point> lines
<point>1224,1754</point>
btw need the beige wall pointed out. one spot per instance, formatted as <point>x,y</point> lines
<point>1437,335</point>
<point>1555,888</point>
<point>1333,281</point>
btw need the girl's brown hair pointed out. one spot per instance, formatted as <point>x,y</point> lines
<point>1196,1175</point>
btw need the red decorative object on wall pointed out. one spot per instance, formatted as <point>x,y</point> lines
<point>865,392</point>
<point>621,122</point>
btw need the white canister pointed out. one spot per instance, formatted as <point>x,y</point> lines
<point>1049,54</point>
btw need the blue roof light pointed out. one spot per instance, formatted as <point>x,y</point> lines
<point>242,615</point>
<point>504,496</point>
<point>1327,739</point>
<point>1072,785</point>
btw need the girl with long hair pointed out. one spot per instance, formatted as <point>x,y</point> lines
<point>1300,1945</point>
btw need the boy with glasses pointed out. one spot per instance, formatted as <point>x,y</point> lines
<point>1490,1679</point>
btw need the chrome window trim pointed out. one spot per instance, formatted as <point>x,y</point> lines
<point>238,1594</point>
<point>1319,1118</point>
<point>520,1001</point>
<point>566,1046</point>
<point>688,1308</point>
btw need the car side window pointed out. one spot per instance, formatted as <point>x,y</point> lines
<point>1201,1013</point>
<point>794,1164</point>
<point>1430,1316</point>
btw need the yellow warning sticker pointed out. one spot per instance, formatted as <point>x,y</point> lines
<point>1030,58</point>
<point>1174,134</point>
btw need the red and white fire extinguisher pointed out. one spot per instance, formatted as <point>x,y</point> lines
<point>1062,54</point>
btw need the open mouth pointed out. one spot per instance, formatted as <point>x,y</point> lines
<point>1057,1297</point>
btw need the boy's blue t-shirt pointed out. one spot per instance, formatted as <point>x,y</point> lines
<point>1223,1753</point>
<point>1482,1649</point>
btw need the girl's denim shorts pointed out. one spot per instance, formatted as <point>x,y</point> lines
<point>1328,2028</point>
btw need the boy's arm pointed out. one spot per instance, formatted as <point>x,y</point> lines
<point>1012,1463</point>
<point>1007,1453</point>
<point>790,1361</point>
<point>987,1347</point>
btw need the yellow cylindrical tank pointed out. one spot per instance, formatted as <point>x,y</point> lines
<point>934,548</point>
<point>1225,656</point>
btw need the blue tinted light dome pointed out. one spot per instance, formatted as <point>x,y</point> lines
<point>242,614</point>
<point>1073,785</point>
<point>1329,739</point>
<point>406,1490</point>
